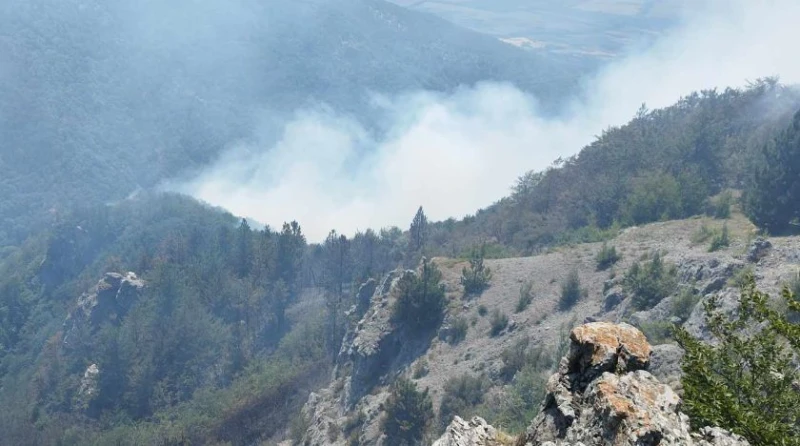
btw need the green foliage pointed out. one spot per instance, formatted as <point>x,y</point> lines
<point>741,277</point>
<point>703,234</point>
<point>773,193</point>
<point>684,303</point>
<point>498,322</point>
<point>606,257</point>
<point>650,282</point>
<point>482,310</point>
<point>476,278</point>
<point>525,297</point>
<point>746,381</point>
<point>520,355</point>
<point>408,414</point>
<point>461,396</point>
<point>663,164</point>
<point>420,301</point>
<point>657,332</point>
<point>458,330</point>
<point>720,207</point>
<point>571,291</point>
<point>720,240</point>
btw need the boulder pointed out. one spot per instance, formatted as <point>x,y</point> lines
<point>475,432</point>
<point>603,395</point>
<point>758,249</point>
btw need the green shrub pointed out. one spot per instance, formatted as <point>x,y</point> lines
<point>684,303</point>
<point>650,282</point>
<point>461,395</point>
<point>570,291</point>
<point>720,240</point>
<point>607,257</point>
<point>721,205</point>
<point>420,301</point>
<point>740,278</point>
<point>476,278</point>
<point>702,234</point>
<point>519,356</point>
<point>745,382</point>
<point>525,297</point>
<point>482,310</point>
<point>458,330</point>
<point>657,332</point>
<point>408,414</point>
<point>420,369</point>
<point>498,321</point>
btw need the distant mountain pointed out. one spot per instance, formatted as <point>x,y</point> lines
<point>98,98</point>
<point>594,30</point>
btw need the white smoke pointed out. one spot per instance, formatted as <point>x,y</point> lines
<point>456,153</point>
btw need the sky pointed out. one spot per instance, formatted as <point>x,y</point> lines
<point>454,154</point>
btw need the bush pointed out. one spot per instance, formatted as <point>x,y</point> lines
<point>476,278</point>
<point>499,322</point>
<point>519,356</point>
<point>570,291</point>
<point>607,257</point>
<point>657,332</point>
<point>461,395</point>
<point>525,297</point>
<point>684,303</point>
<point>702,234</point>
<point>720,240</point>
<point>482,310</point>
<point>721,206</point>
<point>408,414</point>
<point>458,330</point>
<point>740,278</point>
<point>651,282</point>
<point>745,382</point>
<point>420,301</point>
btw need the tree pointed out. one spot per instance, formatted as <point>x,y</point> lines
<point>476,278</point>
<point>650,283</point>
<point>418,231</point>
<point>571,291</point>
<point>747,380</point>
<point>336,271</point>
<point>772,198</point>
<point>244,249</point>
<point>408,414</point>
<point>420,302</point>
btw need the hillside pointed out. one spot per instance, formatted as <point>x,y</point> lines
<point>159,320</point>
<point>100,99</point>
<point>593,30</point>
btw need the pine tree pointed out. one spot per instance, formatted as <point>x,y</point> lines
<point>418,231</point>
<point>772,199</point>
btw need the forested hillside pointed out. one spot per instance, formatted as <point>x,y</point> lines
<point>208,330</point>
<point>664,164</point>
<point>100,98</point>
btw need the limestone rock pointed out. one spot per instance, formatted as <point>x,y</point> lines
<point>475,432</point>
<point>603,395</point>
<point>758,249</point>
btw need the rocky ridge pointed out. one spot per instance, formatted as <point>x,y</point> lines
<point>602,394</point>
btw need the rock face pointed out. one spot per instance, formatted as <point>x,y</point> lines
<point>475,432</point>
<point>108,301</point>
<point>603,395</point>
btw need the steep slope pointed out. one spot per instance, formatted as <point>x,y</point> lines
<point>100,98</point>
<point>514,363</point>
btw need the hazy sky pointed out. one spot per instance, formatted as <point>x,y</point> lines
<point>457,153</point>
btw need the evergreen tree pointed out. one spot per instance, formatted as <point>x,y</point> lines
<point>409,413</point>
<point>747,380</point>
<point>244,249</point>
<point>772,199</point>
<point>418,231</point>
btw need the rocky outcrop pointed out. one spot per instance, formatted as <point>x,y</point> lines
<point>603,395</point>
<point>758,249</point>
<point>475,432</point>
<point>108,301</point>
